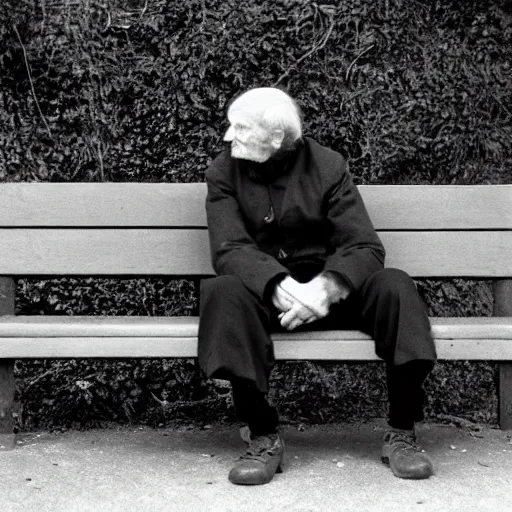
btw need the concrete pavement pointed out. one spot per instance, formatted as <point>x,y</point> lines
<point>335,467</point>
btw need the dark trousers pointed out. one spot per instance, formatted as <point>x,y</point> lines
<point>235,344</point>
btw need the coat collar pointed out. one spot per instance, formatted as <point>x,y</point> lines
<point>278,165</point>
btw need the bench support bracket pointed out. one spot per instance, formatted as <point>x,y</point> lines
<point>7,386</point>
<point>503,307</point>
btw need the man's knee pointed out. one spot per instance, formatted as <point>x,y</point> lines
<point>223,288</point>
<point>224,283</point>
<point>393,282</point>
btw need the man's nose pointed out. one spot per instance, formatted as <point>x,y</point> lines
<point>230,134</point>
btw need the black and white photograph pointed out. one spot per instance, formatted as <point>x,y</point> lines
<point>256,256</point>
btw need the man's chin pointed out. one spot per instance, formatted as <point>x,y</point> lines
<point>243,155</point>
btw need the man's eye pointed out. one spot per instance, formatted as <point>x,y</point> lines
<point>240,127</point>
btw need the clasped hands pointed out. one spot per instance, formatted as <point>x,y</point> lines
<point>303,303</point>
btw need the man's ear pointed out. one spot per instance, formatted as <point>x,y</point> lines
<point>277,139</point>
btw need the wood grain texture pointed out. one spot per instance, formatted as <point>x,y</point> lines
<point>444,207</point>
<point>187,327</point>
<point>32,337</point>
<point>104,252</point>
<point>187,252</point>
<point>102,204</point>
<point>391,207</point>
<point>315,348</point>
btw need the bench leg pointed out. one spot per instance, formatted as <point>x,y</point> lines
<point>505,396</point>
<point>503,307</point>
<point>7,388</point>
<point>7,437</point>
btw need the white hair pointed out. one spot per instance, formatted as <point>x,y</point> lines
<point>274,108</point>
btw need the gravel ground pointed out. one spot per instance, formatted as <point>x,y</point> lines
<point>335,467</point>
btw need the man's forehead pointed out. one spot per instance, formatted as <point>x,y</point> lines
<point>245,115</point>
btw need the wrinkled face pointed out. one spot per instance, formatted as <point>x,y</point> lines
<point>250,140</point>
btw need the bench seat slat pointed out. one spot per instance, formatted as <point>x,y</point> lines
<point>391,207</point>
<point>102,204</point>
<point>354,348</point>
<point>363,350</point>
<point>187,327</point>
<point>143,252</point>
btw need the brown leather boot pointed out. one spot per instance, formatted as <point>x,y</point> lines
<point>262,459</point>
<point>403,456</point>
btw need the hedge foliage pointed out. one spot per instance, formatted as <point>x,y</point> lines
<point>136,90</point>
<point>112,90</point>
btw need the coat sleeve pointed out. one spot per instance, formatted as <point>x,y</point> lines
<point>233,250</point>
<point>358,251</point>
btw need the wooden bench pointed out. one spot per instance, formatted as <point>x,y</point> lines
<point>126,230</point>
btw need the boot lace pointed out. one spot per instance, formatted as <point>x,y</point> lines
<point>402,439</point>
<point>261,447</point>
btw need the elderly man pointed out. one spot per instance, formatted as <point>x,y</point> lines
<point>293,247</point>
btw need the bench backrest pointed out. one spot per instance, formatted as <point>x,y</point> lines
<point>160,229</point>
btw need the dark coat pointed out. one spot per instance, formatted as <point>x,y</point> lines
<point>301,214</point>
